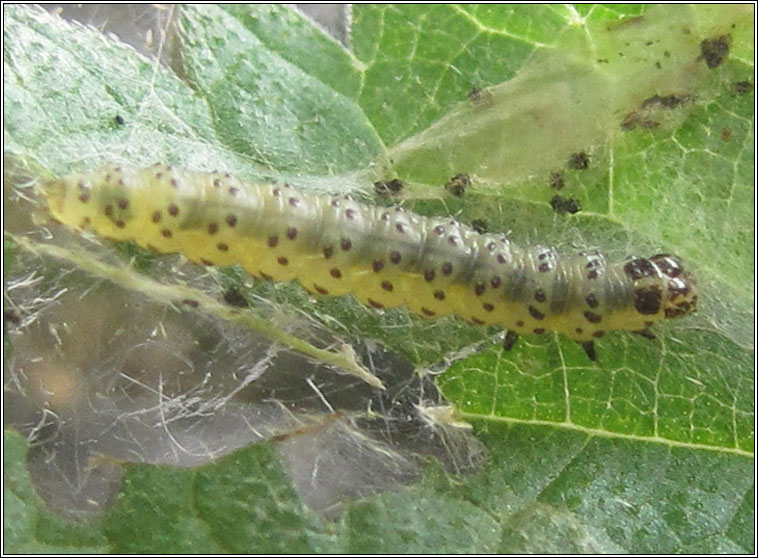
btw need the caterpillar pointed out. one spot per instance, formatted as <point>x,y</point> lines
<point>386,257</point>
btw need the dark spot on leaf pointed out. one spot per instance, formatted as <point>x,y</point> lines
<point>563,205</point>
<point>742,87</point>
<point>458,184</point>
<point>234,297</point>
<point>579,161</point>
<point>557,180</point>
<point>715,51</point>
<point>480,225</point>
<point>389,188</point>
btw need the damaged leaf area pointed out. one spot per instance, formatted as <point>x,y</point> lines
<point>156,406</point>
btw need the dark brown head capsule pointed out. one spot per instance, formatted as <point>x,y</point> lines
<point>680,296</point>
<point>668,264</point>
<point>662,284</point>
<point>640,267</point>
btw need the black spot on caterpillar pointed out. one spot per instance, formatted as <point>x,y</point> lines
<point>119,120</point>
<point>386,257</point>
<point>458,184</point>
<point>563,205</point>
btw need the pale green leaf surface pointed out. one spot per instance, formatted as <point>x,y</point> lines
<point>649,450</point>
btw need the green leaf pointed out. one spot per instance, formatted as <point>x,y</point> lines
<point>268,107</point>
<point>28,527</point>
<point>242,503</point>
<point>650,450</point>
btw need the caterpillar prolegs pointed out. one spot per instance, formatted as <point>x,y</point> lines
<point>386,257</point>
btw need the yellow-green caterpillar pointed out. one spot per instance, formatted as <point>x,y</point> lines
<point>386,257</point>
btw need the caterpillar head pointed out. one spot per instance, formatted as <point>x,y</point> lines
<point>662,287</point>
<point>680,292</point>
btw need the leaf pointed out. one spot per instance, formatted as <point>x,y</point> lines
<point>28,527</point>
<point>650,450</point>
